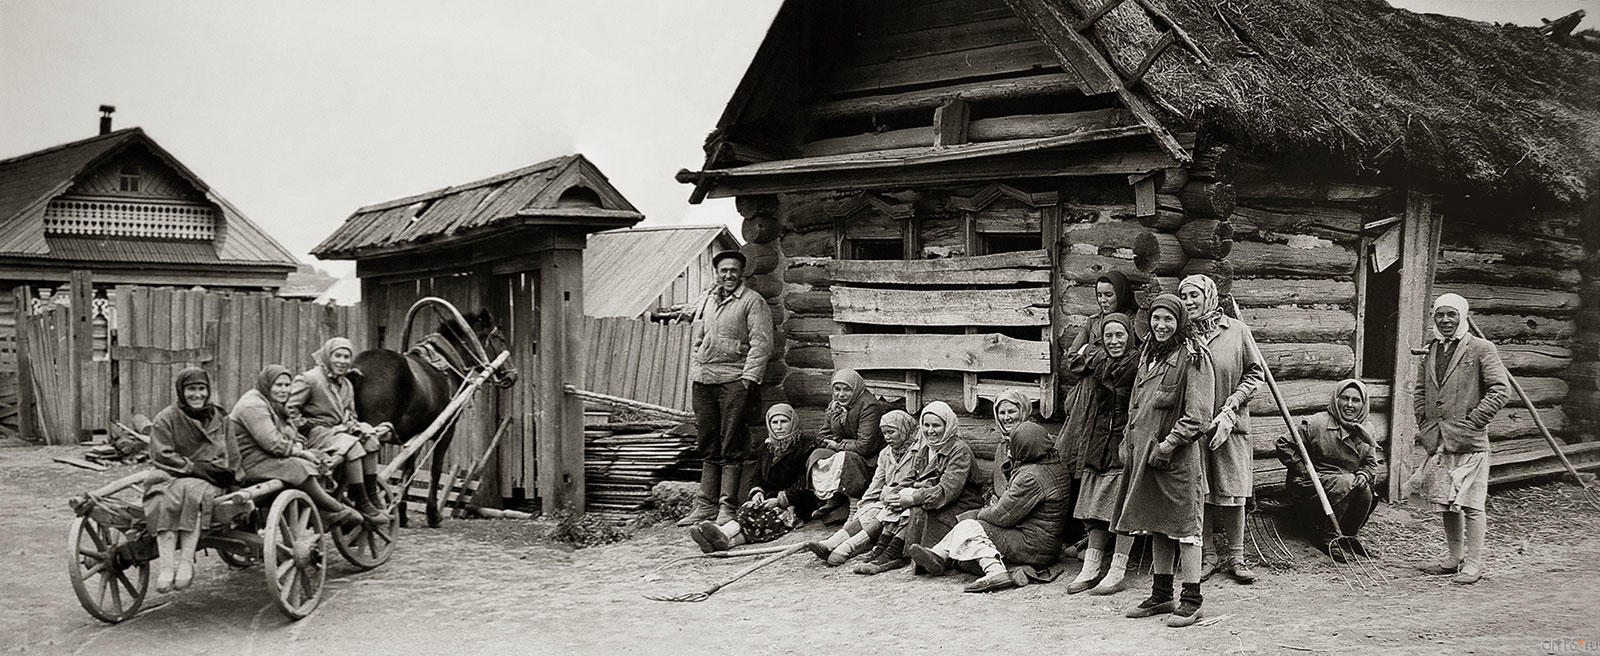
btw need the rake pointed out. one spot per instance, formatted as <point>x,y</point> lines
<point>706,593</point>
<point>1267,542</point>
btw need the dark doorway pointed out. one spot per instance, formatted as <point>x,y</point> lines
<point>1382,324</point>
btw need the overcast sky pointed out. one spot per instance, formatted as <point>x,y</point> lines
<point>300,112</point>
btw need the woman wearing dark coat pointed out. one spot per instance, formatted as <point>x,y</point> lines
<point>779,500</point>
<point>847,446</point>
<point>945,486</point>
<point>1345,459</point>
<point>1101,483</point>
<point>1022,526</point>
<point>1114,294</point>
<point>1169,409</point>
<point>271,449</point>
<point>196,459</point>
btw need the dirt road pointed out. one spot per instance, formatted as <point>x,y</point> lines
<point>493,587</point>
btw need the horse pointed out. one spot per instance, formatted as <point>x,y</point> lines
<point>409,392</point>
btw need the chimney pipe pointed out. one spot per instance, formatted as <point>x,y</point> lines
<point>105,118</point>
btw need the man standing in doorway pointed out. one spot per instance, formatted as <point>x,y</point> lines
<point>732,341</point>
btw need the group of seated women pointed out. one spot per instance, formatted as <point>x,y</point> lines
<point>296,429</point>
<point>1154,424</point>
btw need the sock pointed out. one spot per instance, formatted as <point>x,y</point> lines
<point>1189,563</point>
<point>1191,595</point>
<point>852,545</point>
<point>1091,566</point>
<point>730,529</point>
<point>839,537</point>
<point>1161,556</point>
<point>895,551</point>
<point>1208,533</point>
<point>1477,526</point>
<point>1160,588</point>
<point>1233,528</point>
<point>991,566</point>
<point>370,482</point>
<point>1119,568</point>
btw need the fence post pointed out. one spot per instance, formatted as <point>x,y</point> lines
<point>27,405</point>
<point>82,350</point>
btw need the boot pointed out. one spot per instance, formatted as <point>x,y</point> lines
<point>893,557</point>
<point>369,511</point>
<point>1115,579</point>
<point>1240,572</point>
<point>1160,601</point>
<point>709,537</point>
<point>730,498</point>
<point>370,482</point>
<point>1089,574</point>
<point>705,507</point>
<point>1188,611</point>
<point>931,563</point>
<point>877,547</point>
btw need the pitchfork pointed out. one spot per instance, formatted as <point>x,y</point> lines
<point>706,593</point>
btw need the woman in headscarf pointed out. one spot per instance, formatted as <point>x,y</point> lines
<point>1100,490</point>
<point>894,464</point>
<point>1021,527</point>
<point>1114,295</point>
<point>195,461</point>
<point>1011,410</point>
<point>1169,409</point>
<point>779,500</point>
<point>1344,458</point>
<point>270,449</point>
<point>1229,457</point>
<point>841,465</point>
<point>944,484</point>
<point>1460,385</point>
<point>322,407</point>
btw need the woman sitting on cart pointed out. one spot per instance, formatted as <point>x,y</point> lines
<point>195,461</point>
<point>322,406</point>
<point>270,449</point>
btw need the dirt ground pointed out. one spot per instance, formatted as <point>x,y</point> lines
<point>488,586</point>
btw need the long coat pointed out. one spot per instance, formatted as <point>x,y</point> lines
<point>1025,522</point>
<point>267,442</point>
<point>1230,468</point>
<point>945,486</point>
<point>1339,454</point>
<point>1172,400</point>
<point>1455,412</point>
<point>320,404</point>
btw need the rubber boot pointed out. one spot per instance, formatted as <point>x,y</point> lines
<point>706,503</point>
<point>1188,611</point>
<point>730,498</point>
<point>1160,601</point>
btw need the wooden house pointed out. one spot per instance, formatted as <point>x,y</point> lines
<point>634,272</point>
<point>122,208</point>
<point>931,188</point>
<point>513,244</point>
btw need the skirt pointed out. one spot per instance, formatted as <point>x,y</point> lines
<point>179,504</point>
<point>292,471</point>
<point>1448,482</point>
<point>1100,496</point>
<point>334,443</point>
<point>763,523</point>
<point>966,541</point>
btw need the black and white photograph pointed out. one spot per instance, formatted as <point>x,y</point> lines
<point>750,327</point>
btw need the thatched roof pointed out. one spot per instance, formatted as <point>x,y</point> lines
<point>1459,105</point>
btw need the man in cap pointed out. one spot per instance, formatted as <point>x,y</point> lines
<point>1459,388</point>
<point>732,341</point>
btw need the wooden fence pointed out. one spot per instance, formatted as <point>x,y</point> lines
<point>639,360</point>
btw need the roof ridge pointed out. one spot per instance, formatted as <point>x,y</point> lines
<point>58,147</point>
<point>545,165</point>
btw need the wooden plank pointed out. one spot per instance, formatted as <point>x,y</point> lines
<point>1002,268</point>
<point>976,353</point>
<point>82,351</point>
<point>251,335</point>
<point>154,355</point>
<point>161,319</point>
<point>1417,255</point>
<point>229,341</point>
<point>1035,126</point>
<point>946,307</point>
<point>1269,292</point>
<point>1026,87</point>
<point>982,61</point>
<point>27,401</point>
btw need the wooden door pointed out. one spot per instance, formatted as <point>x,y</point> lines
<point>1418,255</point>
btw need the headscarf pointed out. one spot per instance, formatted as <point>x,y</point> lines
<point>1359,426</point>
<point>1155,349</point>
<point>1110,368</point>
<point>858,386</point>
<point>323,354</point>
<point>264,381</point>
<point>903,421</point>
<point>780,444</point>
<point>1030,444</point>
<point>190,376</point>
<point>1017,398</point>
<point>1210,313</point>
<point>941,410</point>
<point>1119,282</point>
<point>1452,301</point>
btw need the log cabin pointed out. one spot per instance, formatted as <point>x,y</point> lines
<point>941,182</point>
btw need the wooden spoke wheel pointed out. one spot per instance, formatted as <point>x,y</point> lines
<point>292,553</point>
<point>107,574</point>
<point>367,546</point>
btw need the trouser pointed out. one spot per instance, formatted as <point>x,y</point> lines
<point>722,422</point>
<point>1351,511</point>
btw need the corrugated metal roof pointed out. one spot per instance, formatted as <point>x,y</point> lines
<point>28,182</point>
<point>625,270</point>
<point>449,212</point>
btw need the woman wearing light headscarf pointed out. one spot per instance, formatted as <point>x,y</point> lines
<point>1100,425</point>
<point>1229,457</point>
<point>1460,385</point>
<point>195,461</point>
<point>1168,412</point>
<point>1021,527</point>
<point>944,484</point>
<point>1344,458</point>
<point>841,466</point>
<point>779,500</point>
<point>894,464</point>
<point>269,448</point>
<point>322,406</point>
<point>1012,409</point>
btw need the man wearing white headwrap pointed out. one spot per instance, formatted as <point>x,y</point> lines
<point>1459,387</point>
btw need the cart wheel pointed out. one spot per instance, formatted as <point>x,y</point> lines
<point>291,553</point>
<point>366,546</point>
<point>238,560</point>
<point>109,582</point>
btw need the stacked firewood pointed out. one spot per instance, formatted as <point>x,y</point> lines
<point>622,461</point>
